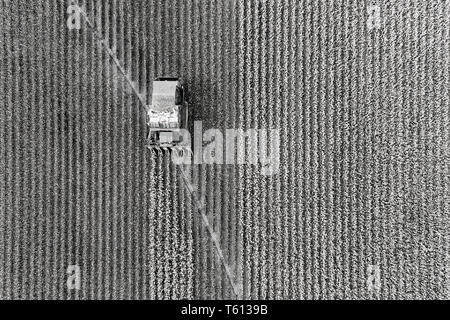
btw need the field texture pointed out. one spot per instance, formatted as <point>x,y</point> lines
<point>364,180</point>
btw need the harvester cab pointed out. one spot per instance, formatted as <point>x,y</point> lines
<point>167,114</point>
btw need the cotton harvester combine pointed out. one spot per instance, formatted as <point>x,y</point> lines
<point>167,114</point>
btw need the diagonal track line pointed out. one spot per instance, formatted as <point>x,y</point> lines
<point>214,238</point>
<point>104,43</point>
